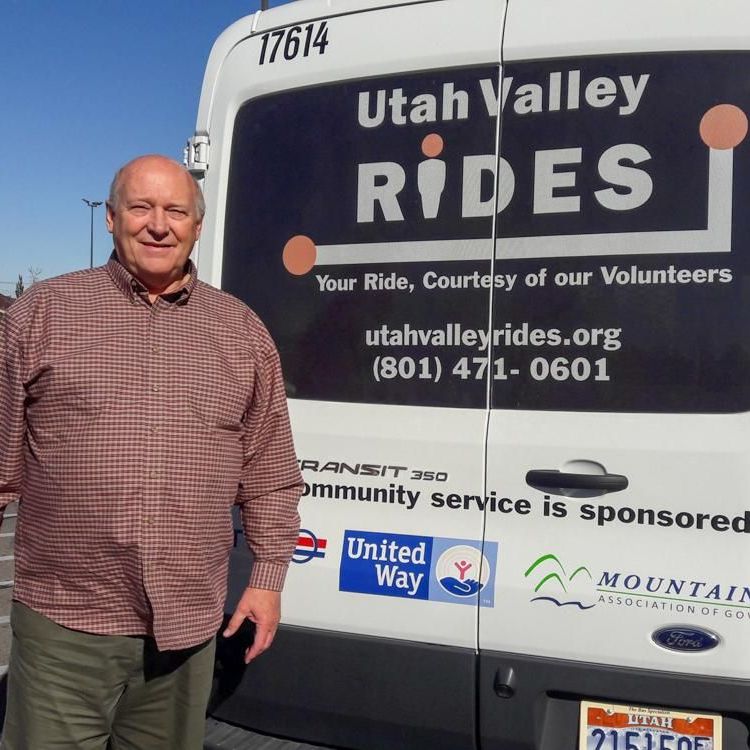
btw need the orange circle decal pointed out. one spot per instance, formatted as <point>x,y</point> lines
<point>432,145</point>
<point>299,255</point>
<point>723,126</point>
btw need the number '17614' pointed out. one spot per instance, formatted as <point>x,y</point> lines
<point>293,41</point>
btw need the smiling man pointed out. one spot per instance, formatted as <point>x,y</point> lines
<point>139,405</point>
<point>155,213</point>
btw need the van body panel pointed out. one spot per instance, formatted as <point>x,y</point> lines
<point>502,257</point>
<point>535,716</point>
<point>633,577</point>
<point>629,375</point>
<point>286,14</point>
<point>351,691</point>
<point>586,27</point>
<point>315,148</point>
<point>452,434</point>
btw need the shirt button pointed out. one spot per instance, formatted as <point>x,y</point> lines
<point>155,349</point>
<point>155,388</point>
<point>148,520</point>
<point>153,474</point>
<point>153,429</point>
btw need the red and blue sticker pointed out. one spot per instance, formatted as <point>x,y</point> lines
<point>309,546</point>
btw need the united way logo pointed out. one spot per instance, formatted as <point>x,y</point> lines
<point>458,571</point>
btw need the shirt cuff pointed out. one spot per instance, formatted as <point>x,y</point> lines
<point>268,575</point>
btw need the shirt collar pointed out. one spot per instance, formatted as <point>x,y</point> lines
<point>132,288</point>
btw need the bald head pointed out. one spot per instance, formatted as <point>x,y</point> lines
<point>160,162</point>
<point>155,215</point>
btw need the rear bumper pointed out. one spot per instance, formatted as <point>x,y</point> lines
<point>363,693</point>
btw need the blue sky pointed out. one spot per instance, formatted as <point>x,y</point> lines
<point>86,86</point>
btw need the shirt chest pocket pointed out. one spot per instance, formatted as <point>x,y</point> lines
<point>215,394</point>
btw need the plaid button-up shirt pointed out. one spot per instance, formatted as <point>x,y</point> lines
<point>128,430</point>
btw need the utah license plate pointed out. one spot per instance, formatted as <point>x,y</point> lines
<point>607,726</point>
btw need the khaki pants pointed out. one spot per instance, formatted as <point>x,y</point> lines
<point>69,690</point>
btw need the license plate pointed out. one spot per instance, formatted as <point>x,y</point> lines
<point>606,726</point>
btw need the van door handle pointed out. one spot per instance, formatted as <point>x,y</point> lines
<point>551,479</point>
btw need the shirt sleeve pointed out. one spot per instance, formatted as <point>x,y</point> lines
<point>12,409</point>
<point>271,482</point>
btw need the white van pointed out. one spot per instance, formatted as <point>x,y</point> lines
<point>504,249</point>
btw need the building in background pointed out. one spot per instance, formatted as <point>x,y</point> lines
<point>5,303</point>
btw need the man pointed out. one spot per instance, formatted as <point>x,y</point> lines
<point>139,404</point>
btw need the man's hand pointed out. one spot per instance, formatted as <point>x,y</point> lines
<point>262,607</point>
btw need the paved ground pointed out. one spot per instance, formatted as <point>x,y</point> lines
<point>224,737</point>
<point>7,531</point>
<point>6,581</point>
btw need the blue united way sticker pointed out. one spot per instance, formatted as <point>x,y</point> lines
<point>386,564</point>
<point>459,571</point>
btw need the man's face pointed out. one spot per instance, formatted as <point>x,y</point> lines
<point>154,223</point>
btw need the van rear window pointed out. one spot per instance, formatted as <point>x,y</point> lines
<point>607,272</point>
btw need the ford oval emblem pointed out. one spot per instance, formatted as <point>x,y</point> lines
<point>685,638</point>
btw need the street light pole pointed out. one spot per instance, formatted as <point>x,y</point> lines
<point>92,205</point>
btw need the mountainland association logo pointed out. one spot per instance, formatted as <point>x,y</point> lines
<point>458,571</point>
<point>555,585</point>
<point>616,588</point>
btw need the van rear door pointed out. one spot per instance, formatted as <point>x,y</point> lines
<point>621,380</point>
<point>353,147</point>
